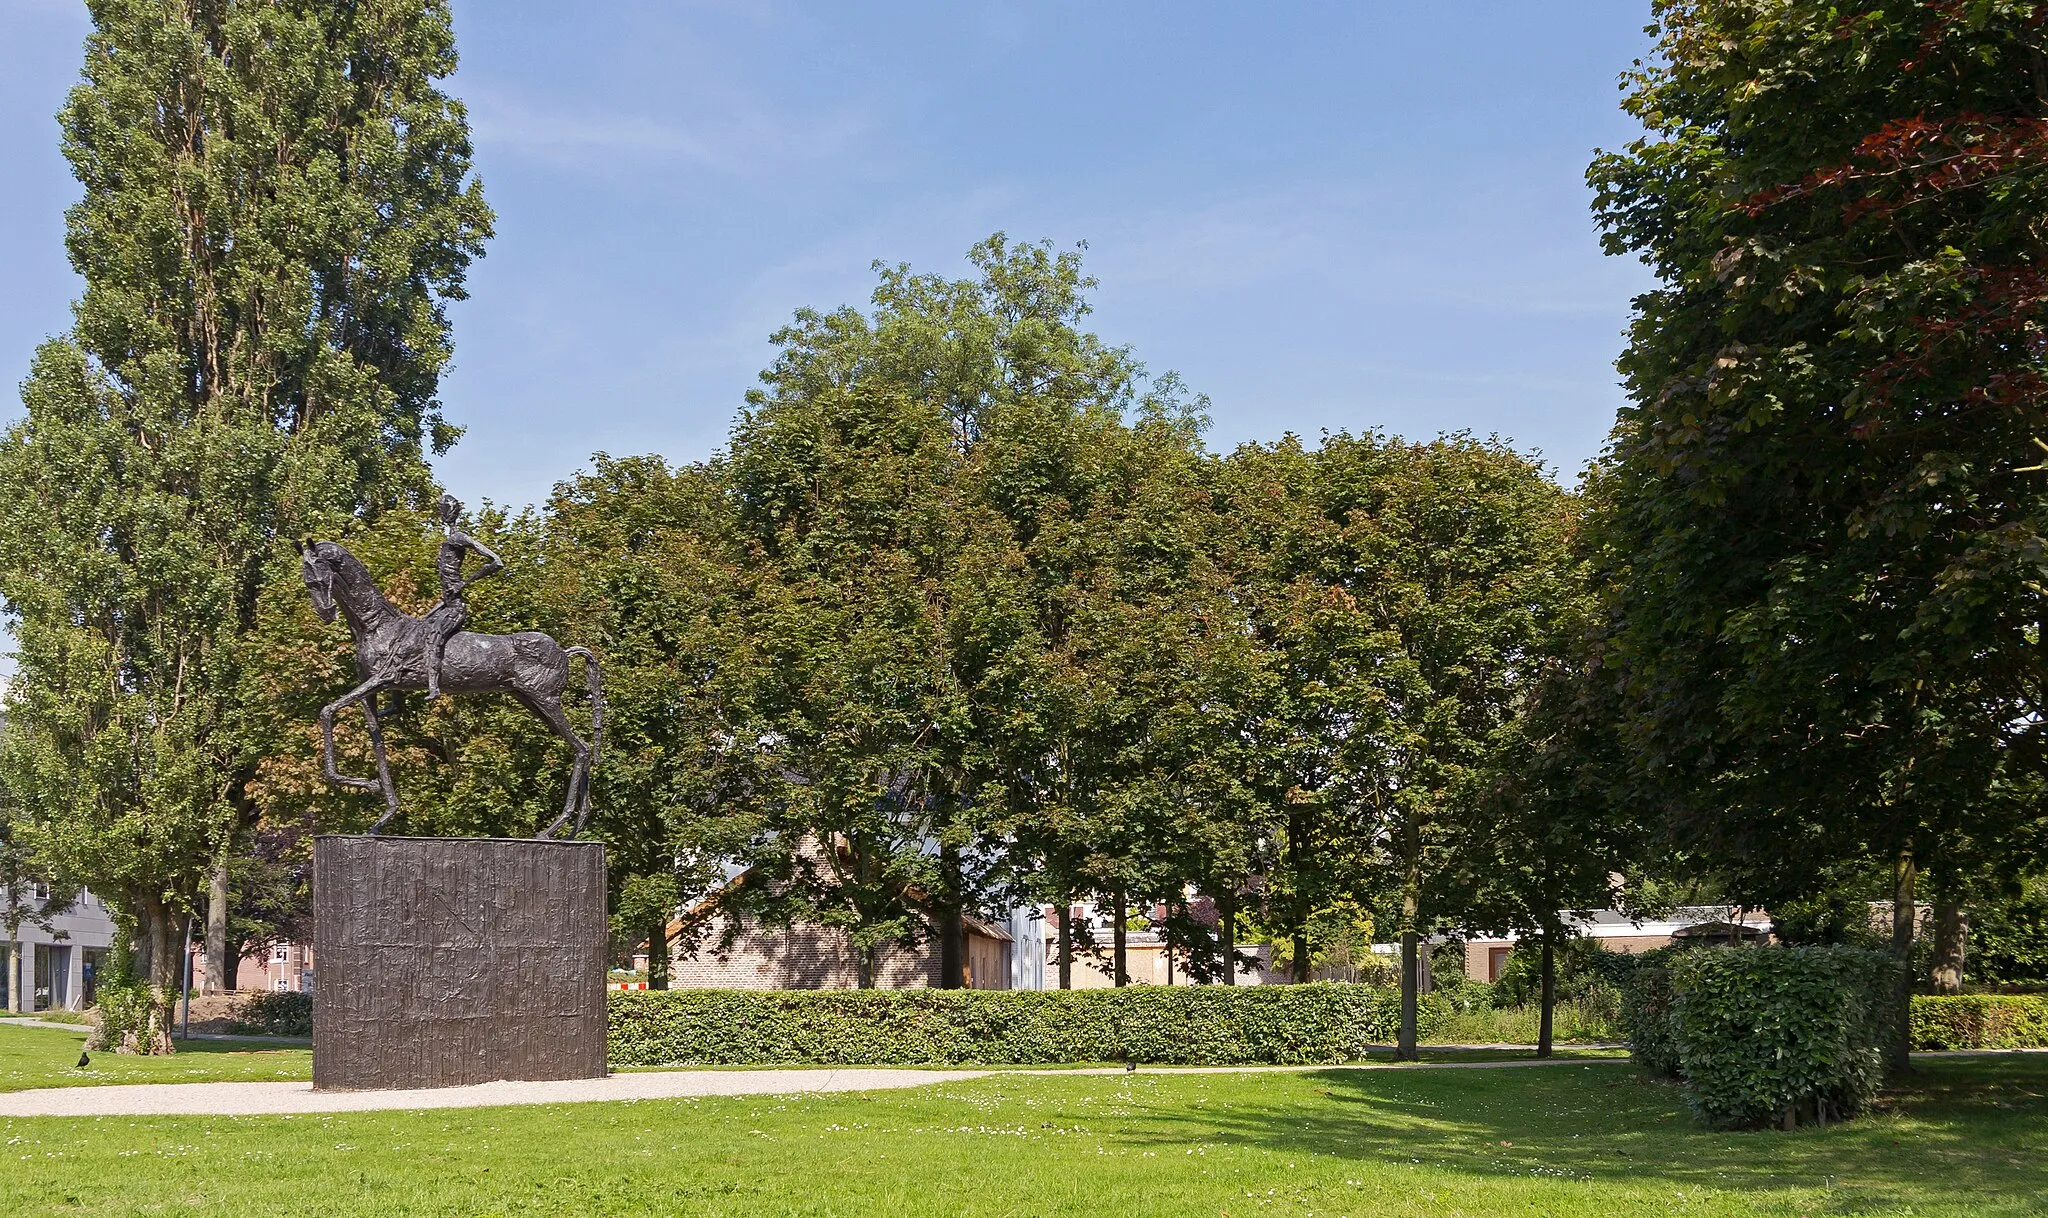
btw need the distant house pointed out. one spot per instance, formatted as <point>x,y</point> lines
<point>1146,958</point>
<point>715,948</point>
<point>1486,956</point>
<point>280,968</point>
<point>805,957</point>
<point>53,967</point>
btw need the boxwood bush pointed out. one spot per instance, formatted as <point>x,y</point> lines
<point>1181,1025</point>
<point>1779,1035</point>
<point>1980,1021</point>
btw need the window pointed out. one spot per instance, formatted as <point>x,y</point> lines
<point>281,954</point>
<point>1497,962</point>
<point>278,985</point>
<point>42,891</point>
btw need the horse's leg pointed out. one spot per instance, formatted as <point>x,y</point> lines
<point>383,764</point>
<point>550,712</point>
<point>367,689</point>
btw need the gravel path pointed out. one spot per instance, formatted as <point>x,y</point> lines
<point>257,1099</point>
<point>269,1099</point>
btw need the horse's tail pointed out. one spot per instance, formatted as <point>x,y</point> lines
<point>594,681</point>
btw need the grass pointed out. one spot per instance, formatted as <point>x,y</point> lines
<point>47,1057</point>
<point>77,1017</point>
<point>1969,1137</point>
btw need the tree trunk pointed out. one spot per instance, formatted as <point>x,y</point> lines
<point>1066,943</point>
<point>1301,972</point>
<point>1166,939</point>
<point>157,965</point>
<point>1905,871</point>
<point>1951,945</point>
<point>952,961</point>
<point>864,967</point>
<point>657,954</point>
<point>217,929</point>
<point>231,973</point>
<point>952,928</point>
<point>1116,938</point>
<point>1549,999</point>
<point>1226,934</point>
<point>1404,1048</point>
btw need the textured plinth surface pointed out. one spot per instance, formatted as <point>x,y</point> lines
<point>445,962</point>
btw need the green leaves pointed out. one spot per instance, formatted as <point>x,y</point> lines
<point>277,206</point>
<point>1208,1025</point>
<point>1821,550</point>
<point>1779,1035</point>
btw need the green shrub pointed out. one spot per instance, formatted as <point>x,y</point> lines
<point>1585,1021</point>
<point>1980,1021</point>
<point>1182,1025</point>
<point>1582,965</point>
<point>278,1014</point>
<point>1646,1015</point>
<point>134,1018</point>
<point>1462,995</point>
<point>1779,1035</point>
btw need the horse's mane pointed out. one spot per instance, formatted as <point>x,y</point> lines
<point>350,572</point>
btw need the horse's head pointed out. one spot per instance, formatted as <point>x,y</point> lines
<point>316,567</point>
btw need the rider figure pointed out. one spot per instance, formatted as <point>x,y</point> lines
<point>444,619</point>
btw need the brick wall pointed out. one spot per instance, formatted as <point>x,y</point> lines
<point>799,958</point>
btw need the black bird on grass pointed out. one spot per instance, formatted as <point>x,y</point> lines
<point>84,1060</point>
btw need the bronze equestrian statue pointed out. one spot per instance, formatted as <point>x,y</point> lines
<point>395,651</point>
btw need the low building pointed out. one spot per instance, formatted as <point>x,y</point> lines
<point>1147,960</point>
<point>1486,956</point>
<point>805,957</point>
<point>53,963</point>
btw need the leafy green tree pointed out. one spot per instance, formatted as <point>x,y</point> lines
<point>1822,518</point>
<point>1408,596</point>
<point>1306,695</point>
<point>1459,550</point>
<point>1546,836</point>
<point>958,554</point>
<point>278,205</point>
<point>640,560</point>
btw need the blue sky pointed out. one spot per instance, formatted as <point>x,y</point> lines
<point>1323,216</point>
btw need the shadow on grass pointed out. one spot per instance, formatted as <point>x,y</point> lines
<point>1969,1134</point>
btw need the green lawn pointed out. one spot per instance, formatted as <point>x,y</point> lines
<point>47,1057</point>
<point>1969,1138</point>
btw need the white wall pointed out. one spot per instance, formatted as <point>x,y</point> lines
<point>87,924</point>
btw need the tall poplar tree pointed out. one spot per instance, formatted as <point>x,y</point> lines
<point>278,205</point>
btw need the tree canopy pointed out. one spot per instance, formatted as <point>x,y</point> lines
<point>278,206</point>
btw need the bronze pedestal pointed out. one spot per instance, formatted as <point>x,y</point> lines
<point>442,962</point>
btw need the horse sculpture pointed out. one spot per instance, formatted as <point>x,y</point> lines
<point>391,654</point>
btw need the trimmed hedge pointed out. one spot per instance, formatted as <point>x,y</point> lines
<point>1779,1035</point>
<point>1980,1021</point>
<point>1646,1014</point>
<point>1180,1025</point>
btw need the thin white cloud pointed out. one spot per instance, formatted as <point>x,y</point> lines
<point>725,135</point>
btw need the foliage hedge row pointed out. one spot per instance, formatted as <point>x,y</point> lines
<point>1646,1015</point>
<point>274,1014</point>
<point>1180,1025</point>
<point>1767,1035</point>
<point>1980,1021</point>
